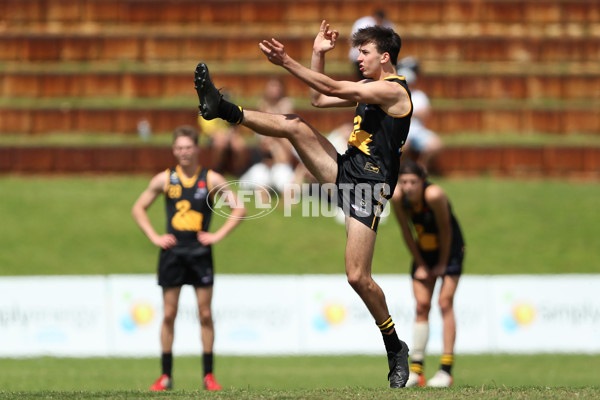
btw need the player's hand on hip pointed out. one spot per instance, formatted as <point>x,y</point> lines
<point>208,238</point>
<point>165,241</point>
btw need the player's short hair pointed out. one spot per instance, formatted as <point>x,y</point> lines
<point>386,40</point>
<point>412,167</point>
<point>185,130</point>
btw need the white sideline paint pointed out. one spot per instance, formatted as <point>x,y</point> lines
<point>119,315</point>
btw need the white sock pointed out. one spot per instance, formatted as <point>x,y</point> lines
<point>420,338</point>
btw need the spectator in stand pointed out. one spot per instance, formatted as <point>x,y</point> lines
<point>422,144</point>
<point>277,156</point>
<point>227,145</point>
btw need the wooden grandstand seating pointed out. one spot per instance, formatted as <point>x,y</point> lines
<point>229,11</point>
<point>497,160</point>
<point>444,121</point>
<point>437,85</point>
<point>38,36</point>
<point>165,48</point>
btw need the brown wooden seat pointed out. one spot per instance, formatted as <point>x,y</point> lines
<point>293,11</point>
<point>477,37</point>
<point>164,48</point>
<point>437,85</point>
<point>448,120</point>
<point>579,162</point>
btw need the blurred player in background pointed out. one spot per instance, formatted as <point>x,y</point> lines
<point>437,251</point>
<point>381,123</point>
<point>185,250</point>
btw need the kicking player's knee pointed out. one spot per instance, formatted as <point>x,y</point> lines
<point>296,125</point>
<point>359,282</point>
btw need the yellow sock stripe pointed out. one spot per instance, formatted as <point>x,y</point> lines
<point>416,368</point>
<point>387,324</point>
<point>387,321</point>
<point>447,359</point>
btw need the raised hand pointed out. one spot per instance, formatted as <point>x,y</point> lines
<point>274,51</point>
<point>325,39</point>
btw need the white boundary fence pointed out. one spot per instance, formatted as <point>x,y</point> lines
<point>119,315</point>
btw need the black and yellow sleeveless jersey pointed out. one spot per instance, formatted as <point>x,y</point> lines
<point>423,220</point>
<point>375,145</point>
<point>187,207</point>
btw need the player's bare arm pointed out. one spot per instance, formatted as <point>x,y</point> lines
<point>437,200</point>
<point>139,212</point>
<point>324,42</point>
<point>421,272</point>
<point>389,95</point>
<point>392,97</point>
<point>238,211</point>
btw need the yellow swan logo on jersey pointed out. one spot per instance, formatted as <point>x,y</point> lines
<point>359,138</point>
<point>186,219</point>
<point>427,241</point>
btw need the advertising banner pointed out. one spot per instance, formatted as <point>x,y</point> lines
<point>121,315</point>
<point>54,316</point>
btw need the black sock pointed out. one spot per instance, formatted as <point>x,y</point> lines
<point>230,112</point>
<point>390,338</point>
<point>207,361</point>
<point>167,363</point>
<point>446,363</point>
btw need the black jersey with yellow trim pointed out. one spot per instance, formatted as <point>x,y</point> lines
<point>423,220</point>
<point>375,144</point>
<point>188,206</point>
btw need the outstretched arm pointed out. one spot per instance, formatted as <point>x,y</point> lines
<point>377,92</point>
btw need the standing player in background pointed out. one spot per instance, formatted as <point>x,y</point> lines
<point>185,250</point>
<point>364,177</point>
<point>437,251</point>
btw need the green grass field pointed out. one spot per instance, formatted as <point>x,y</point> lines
<point>481,376</point>
<point>82,225</point>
